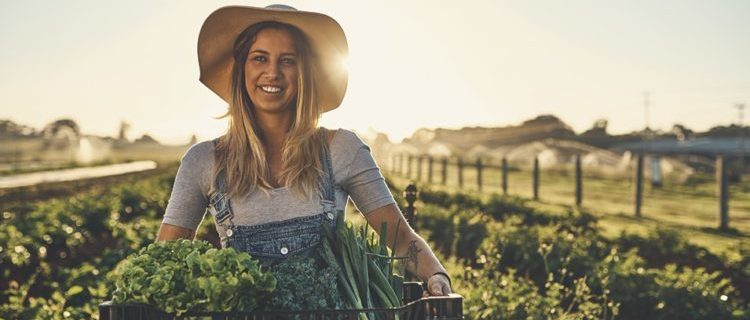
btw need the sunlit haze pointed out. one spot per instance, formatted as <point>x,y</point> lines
<point>412,64</point>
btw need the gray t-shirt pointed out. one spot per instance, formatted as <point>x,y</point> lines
<point>355,174</point>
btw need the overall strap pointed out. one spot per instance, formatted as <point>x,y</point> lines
<point>220,200</point>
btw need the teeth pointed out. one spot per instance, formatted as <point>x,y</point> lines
<point>270,89</point>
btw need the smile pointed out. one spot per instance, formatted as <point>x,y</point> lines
<point>270,89</point>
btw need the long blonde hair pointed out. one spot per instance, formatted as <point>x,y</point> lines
<point>241,153</point>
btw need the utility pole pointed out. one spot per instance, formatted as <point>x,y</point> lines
<point>646,105</point>
<point>741,141</point>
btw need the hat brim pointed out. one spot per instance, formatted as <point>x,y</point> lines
<point>326,37</point>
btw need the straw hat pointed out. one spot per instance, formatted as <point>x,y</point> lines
<point>327,39</point>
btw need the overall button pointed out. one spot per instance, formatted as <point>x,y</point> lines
<point>229,232</point>
<point>284,250</point>
<point>329,215</point>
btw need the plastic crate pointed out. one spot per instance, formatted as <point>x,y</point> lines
<point>415,307</point>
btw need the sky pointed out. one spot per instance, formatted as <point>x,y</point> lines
<point>412,64</point>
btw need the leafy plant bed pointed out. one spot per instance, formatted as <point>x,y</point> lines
<point>416,307</point>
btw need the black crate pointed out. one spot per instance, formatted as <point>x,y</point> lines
<point>415,307</point>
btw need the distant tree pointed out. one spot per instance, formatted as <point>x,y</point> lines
<point>598,129</point>
<point>61,134</point>
<point>726,131</point>
<point>10,129</point>
<point>681,132</point>
<point>193,140</point>
<point>543,119</point>
<point>63,128</point>
<point>146,139</point>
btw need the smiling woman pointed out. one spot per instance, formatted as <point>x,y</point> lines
<point>275,178</point>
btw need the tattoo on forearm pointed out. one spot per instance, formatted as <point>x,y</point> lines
<point>412,252</point>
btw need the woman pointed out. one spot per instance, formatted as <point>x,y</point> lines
<point>275,176</point>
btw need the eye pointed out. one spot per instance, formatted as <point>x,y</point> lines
<point>259,58</point>
<point>289,61</point>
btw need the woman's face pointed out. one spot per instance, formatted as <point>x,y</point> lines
<point>271,71</point>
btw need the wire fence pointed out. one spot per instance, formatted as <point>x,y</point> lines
<point>700,200</point>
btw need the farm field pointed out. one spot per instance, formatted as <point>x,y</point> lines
<point>25,155</point>
<point>690,207</point>
<point>509,257</point>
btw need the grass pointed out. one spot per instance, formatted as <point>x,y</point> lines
<point>690,206</point>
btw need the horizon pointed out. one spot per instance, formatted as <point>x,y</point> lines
<point>369,132</point>
<point>502,63</point>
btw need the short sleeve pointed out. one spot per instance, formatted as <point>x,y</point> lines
<point>364,183</point>
<point>188,201</point>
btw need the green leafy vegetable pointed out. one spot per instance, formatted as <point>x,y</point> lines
<point>182,275</point>
<point>306,283</point>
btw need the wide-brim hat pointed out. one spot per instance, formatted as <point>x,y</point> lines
<point>327,41</point>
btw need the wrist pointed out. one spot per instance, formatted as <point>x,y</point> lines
<point>444,274</point>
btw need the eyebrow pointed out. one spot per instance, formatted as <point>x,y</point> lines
<point>266,52</point>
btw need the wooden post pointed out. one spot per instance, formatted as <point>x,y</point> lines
<point>408,166</point>
<point>429,169</point>
<point>504,173</point>
<point>479,174</point>
<point>579,181</point>
<point>536,178</point>
<point>444,170</point>
<point>460,172</point>
<point>722,182</point>
<point>419,168</point>
<point>638,185</point>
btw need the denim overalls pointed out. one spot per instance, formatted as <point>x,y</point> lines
<point>273,242</point>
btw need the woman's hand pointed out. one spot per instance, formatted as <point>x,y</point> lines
<point>424,263</point>
<point>438,285</point>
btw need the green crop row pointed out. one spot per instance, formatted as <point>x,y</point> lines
<point>55,253</point>
<point>511,261</point>
<point>507,259</point>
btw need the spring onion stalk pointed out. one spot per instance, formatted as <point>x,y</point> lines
<point>385,285</point>
<point>331,260</point>
<point>365,266</point>
<point>383,297</point>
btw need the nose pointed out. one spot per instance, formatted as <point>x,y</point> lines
<point>272,71</point>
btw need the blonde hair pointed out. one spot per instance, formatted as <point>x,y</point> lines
<point>241,154</point>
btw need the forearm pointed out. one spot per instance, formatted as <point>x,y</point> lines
<point>422,262</point>
<point>170,232</point>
